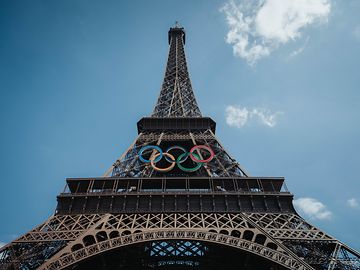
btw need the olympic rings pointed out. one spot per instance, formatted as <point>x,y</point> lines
<point>154,158</point>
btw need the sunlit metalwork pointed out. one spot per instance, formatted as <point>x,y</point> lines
<point>145,214</point>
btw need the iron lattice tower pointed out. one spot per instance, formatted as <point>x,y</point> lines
<point>176,200</point>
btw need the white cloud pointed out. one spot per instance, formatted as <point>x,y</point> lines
<point>258,27</point>
<point>312,208</point>
<point>2,244</point>
<point>239,117</point>
<point>266,117</point>
<point>236,117</point>
<point>353,203</point>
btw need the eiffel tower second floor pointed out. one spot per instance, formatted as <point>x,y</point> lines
<point>176,163</point>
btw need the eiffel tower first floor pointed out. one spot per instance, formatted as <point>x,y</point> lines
<point>138,218</point>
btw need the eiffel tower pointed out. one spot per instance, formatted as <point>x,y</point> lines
<point>176,200</point>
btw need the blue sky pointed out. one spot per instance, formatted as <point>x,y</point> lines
<point>76,76</point>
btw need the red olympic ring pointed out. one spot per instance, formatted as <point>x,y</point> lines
<point>192,156</point>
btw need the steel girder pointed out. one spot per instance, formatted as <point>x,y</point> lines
<point>129,164</point>
<point>283,238</point>
<point>302,247</point>
<point>176,97</point>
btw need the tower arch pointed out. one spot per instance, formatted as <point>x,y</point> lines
<point>217,241</point>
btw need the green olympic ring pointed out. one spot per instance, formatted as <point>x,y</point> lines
<point>178,162</point>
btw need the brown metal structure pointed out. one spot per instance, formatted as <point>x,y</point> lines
<point>140,215</point>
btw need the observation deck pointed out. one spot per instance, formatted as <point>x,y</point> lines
<point>176,124</point>
<point>182,194</point>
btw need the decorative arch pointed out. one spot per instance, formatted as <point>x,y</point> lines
<point>277,256</point>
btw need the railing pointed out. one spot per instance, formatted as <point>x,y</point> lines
<point>175,185</point>
<point>169,192</point>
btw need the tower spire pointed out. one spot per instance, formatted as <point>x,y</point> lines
<point>176,97</point>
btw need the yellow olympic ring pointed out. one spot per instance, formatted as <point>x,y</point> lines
<point>153,160</point>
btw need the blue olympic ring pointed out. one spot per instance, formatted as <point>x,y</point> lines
<point>150,147</point>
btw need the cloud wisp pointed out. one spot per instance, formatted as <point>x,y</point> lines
<point>299,50</point>
<point>258,27</point>
<point>238,117</point>
<point>353,203</point>
<point>312,208</point>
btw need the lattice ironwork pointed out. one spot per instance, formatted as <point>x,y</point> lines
<point>176,249</point>
<point>287,226</point>
<point>315,247</point>
<point>176,97</point>
<point>129,165</point>
<point>137,212</point>
<point>276,256</point>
